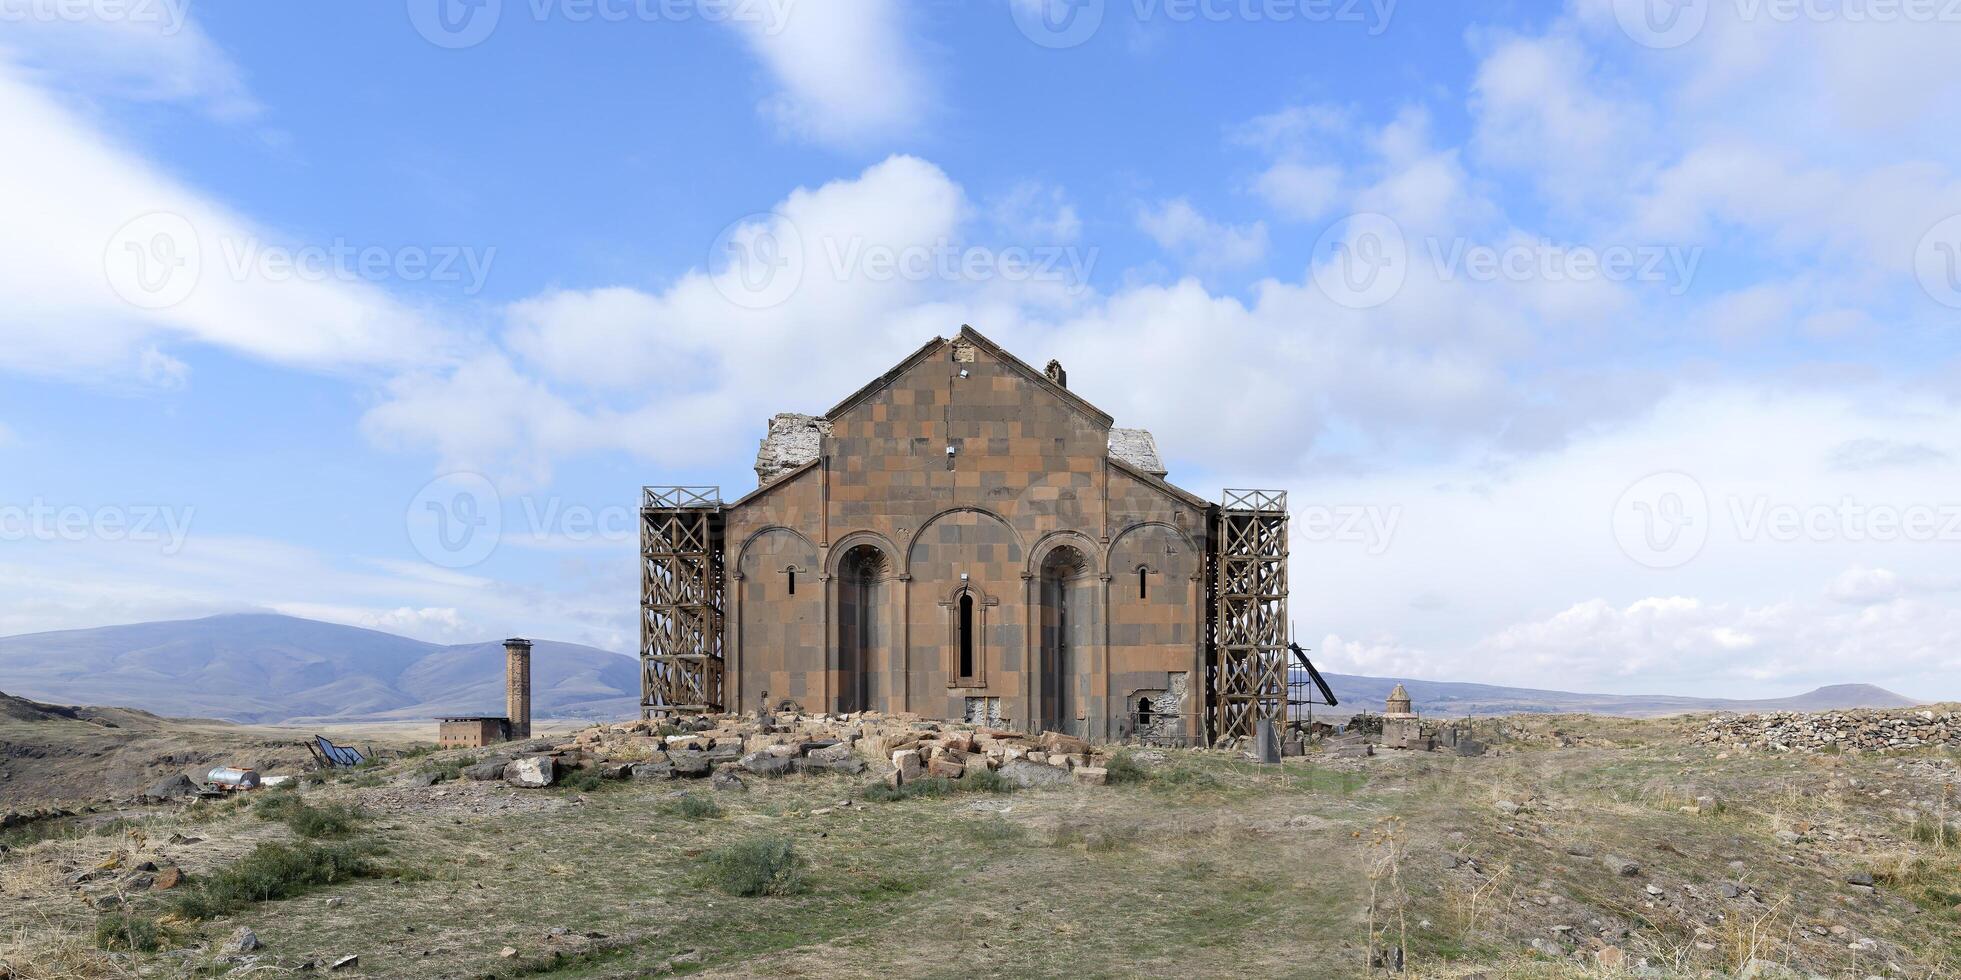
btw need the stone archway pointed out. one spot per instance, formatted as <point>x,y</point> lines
<point>864,617</point>
<point>1064,644</point>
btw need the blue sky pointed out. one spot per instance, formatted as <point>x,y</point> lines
<point>1654,387</point>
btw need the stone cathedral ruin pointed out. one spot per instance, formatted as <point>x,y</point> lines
<point>966,538</point>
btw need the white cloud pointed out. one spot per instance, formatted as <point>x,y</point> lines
<point>106,256</point>
<point>1300,191</point>
<point>149,52</point>
<point>846,71</point>
<point>1178,227</point>
<point>1037,214</point>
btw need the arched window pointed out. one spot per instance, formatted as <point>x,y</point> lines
<point>966,634</point>
<point>792,570</point>
<point>1143,579</point>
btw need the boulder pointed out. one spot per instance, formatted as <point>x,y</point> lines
<point>726,779</point>
<point>691,765</point>
<point>906,761</point>
<point>242,940</point>
<point>662,769</point>
<point>1092,775</point>
<point>485,772</point>
<point>945,768</point>
<point>765,764</point>
<point>1028,774</point>
<point>1621,866</point>
<point>171,788</point>
<point>532,771</point>
<point>831,753</point>
<point>850,765</point>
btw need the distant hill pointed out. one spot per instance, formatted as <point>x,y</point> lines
<point>261,669</point>
<point>264,669</point>
<point>1446,698</point>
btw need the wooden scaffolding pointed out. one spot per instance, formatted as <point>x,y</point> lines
<point>1249,614</point>
<point>680,601</point>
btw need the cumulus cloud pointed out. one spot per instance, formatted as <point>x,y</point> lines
<point>124,257</point>
<point>845,70</point>
<point>1178,227</point>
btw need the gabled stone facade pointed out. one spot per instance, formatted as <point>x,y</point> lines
<point>965,538</point>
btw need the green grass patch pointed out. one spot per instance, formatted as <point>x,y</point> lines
<point>312,822</point>
<point>582,781</point>
<point>1124,768</point>
<point>690,806</point>
<point>928,786</point>
<point>274,871</point>
<point>763,866</point>
<point>985,780</point>
<point>131,933</point>
<point>1934,832</point>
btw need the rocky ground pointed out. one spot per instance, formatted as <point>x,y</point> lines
<point>1576,846</point>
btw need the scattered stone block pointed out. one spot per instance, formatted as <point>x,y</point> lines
<point>1621,866</point>
<point>531,772</point>
<point>1092,775</point>
<point>766,764</point>
<point>1029,774</point>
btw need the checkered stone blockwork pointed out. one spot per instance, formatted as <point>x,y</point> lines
<point>965,538</point>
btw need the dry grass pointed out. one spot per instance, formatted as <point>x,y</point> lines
<point>1194,868</point>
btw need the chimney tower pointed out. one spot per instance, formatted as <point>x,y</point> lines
<point>517,686</point>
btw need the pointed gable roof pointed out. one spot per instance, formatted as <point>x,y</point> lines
<point>975,337</point>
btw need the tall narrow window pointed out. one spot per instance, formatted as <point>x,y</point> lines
<point>793,579</point>
<point>1142,576</point>
<point>966,634</point>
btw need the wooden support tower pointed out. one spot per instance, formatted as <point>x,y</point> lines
<point>681,591</point>
<point>1249,668</point>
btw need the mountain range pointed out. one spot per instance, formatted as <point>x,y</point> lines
<point>263,668</point>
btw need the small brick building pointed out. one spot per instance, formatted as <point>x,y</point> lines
<point>471,732</point>
<point>964,537</point>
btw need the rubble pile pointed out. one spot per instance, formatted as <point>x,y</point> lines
<point>899,747</point>
<point>1856,730</point>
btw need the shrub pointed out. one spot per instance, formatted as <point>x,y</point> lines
<point>135,933</point>
<point>583,781</point>
<point>271,872</point>
<point>1124,768</point>
<point>764,866</point>
<point>285,806</point>
<point>691,806</point>
<point>984,780</point>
